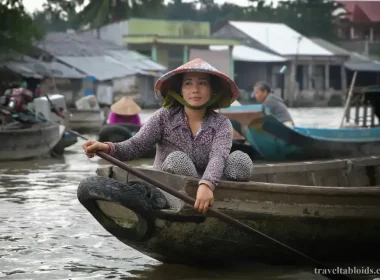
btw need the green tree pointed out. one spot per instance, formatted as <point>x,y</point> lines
<point>100,12</point>
<point>310,17</point>
<point>260,11</point>
<point>178,10</point>
<point>17,30</point>
<point>149,9</point>
<point>51,20</point>
<point>214,13</point>
<point>204,10</point>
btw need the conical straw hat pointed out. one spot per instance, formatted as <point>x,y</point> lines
<point>125,106</point>
<point>163,84</point>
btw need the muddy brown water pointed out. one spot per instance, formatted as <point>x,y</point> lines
<point>46,234</point>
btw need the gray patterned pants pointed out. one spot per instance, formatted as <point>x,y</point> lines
<point>238,166</point>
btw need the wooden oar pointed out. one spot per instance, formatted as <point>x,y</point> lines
<point>212,212</point>
<point>347,106</point>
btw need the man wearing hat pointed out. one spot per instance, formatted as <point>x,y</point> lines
<point>125,111</point>
<point>191,138</point>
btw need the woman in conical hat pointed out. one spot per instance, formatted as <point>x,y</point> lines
<point>125,111</point>
<point>191,138</point>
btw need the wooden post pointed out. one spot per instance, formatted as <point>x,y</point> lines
<point>348,98</point>
<point>327,76</point>
<point>343,78</point>
<point>310,75</point>
<point>348,114</point>
<point>154,52</point>
<point>185,57</point>
<point>357,113</point>
<point>365,114</point>
<point>232,66</point>
<point>372,116</point>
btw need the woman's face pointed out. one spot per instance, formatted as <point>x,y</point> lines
<point>260,94</point>
<point>196,88</point>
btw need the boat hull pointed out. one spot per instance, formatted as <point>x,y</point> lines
<point>24,143</point>
<point>86,121</point>
<point>324,222</point>
<point>195,241</point>
<point>66,141</point>
<point>277,142</point>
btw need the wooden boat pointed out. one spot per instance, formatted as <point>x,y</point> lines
<point>23,141</point>
<point>276,141</point>
<point>86,121</point>
<point>38,114</point>
<point>66,141</point>
<point>329,210</point>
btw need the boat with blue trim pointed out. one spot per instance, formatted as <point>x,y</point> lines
<point>275,141</point>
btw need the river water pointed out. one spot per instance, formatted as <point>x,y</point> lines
<point>46,234</point>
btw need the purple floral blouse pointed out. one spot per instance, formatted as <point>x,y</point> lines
<point>169,129</point>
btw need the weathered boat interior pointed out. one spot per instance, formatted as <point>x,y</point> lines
<point>355,172</point>
<point>327,209</point>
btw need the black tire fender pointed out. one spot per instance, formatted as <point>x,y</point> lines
<point>141,198</point>
<point>133,128</point>
<point>114,133</point>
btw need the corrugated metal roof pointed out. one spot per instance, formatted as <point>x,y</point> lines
<point>355,56</point>
<point>359,62</point>
<point>21,69</point>
<point>74,44</point>
<point>135,60</point>
<point>362,66</point>
<point>280,38</point>
<point>334,49</point>
<point>244,53</point>
<point>101,67</point>
<point>356,61</point>
<point>32,68</point>
<point>98,58</point>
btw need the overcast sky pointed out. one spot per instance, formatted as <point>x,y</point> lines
<point>32,5</point>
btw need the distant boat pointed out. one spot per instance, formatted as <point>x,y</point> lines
<point>87,116</point>
<point>86,121</point>
<point>275,141</point>
<point>24,141</point>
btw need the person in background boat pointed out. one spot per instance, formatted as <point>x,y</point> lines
<point>192,139</point>
<point>276,105</point>
<point>125,111</point>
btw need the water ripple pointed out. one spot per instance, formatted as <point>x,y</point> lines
<point>46,234</point>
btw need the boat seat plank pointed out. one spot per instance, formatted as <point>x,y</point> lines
<point>302,166</point>
<point>297,167</point>
<point>179,181</point>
